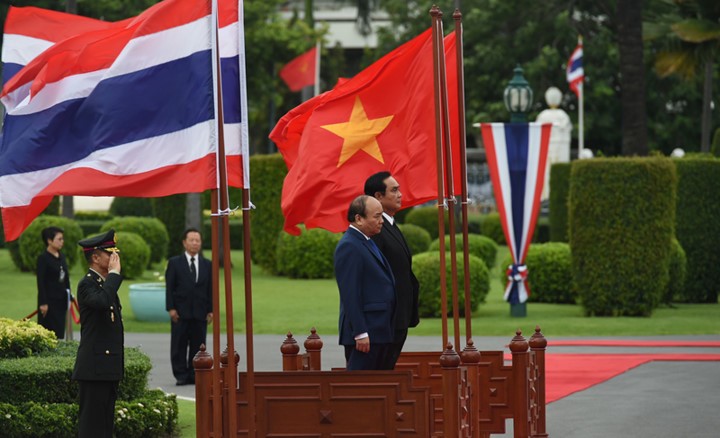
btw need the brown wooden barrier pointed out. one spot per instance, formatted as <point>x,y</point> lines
<point>428,395</point>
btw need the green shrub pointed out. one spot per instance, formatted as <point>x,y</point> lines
<point>2,231</point>
<point>491,227</point>
<point>24,338</point>
<point>53,208</point>
<point>103,216</point>
<point>677,271</point>
<point>309,255</point>
<point>549,273</point>
<point>46,378</point>
<point>14,249</point>
<point>32,244</point>
<point>152,415</point>
<point>134,253</point>
<point>698,210</point>
<point>121,206</point>
<point>542,230</point>
<point>150,229</point>
<point>90,227</point>
<point>417,238</point>
<point>480,246</point>
<point>475,223</point>
<point>236,232</point>
<point>170,210</point>
<point>427,218</point>
<point>715,148</point>
<point>426,267</point>
<point>267,173</point>
<point>559,190</point>
<point>621,217</point>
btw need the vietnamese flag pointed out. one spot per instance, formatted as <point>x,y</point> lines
<point>300,72</point>
<point>381,119</point>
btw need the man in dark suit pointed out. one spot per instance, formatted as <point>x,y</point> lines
<point>100,359</point>
<point>367,288</point>
<point>392,244</point>
<point>188,300</point>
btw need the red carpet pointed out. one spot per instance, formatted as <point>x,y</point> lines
<point>570,373</point>
<point>633,343</point>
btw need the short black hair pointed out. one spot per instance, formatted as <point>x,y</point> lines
<point>191,230</point>
<point>49,233</point>
<point>357,206</point>
<point>376,183</point>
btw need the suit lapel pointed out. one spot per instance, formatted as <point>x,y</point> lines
<point>395,233</point>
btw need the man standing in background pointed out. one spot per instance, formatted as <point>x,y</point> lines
<point>391,242</point>
<point>188,300</point>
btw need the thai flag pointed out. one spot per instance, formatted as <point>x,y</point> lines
<point>574,70</point>
<point>119,109</point>
<point>517,155</point>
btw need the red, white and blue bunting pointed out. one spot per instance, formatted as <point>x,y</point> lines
<point>517,155</point>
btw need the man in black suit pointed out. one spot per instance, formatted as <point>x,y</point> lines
<point>367,288</point>
<point>188,300</point>
<point>100,359</point>
<point>392,244</point>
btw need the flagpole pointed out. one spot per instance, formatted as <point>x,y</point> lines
<point>316,87</point>
<point>457,16</point>
<point>437,46</point>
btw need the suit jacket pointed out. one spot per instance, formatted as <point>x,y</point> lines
<point>395,249</point>
<point>100,355</point>
<point>191,300</point>
<point>367,290</point>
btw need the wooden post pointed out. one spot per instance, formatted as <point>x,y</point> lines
<point>470,357</point>
<point>313,346</point>
<point>538,344</point>
<point>520,361</point>
<point>203,364</point>
<point>229,406</point>
<point>289,350</point>
<point>450,363</point>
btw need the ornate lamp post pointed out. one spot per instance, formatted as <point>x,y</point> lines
<point>518,96</point>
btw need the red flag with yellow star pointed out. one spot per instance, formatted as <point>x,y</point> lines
<point>300,72</point>
<point>381,119</point>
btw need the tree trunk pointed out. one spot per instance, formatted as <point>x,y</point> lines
<point>707,110</point>
<point>632,77</point>
<point>193,212</point>
<point>68,207</point>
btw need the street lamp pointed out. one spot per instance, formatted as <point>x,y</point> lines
<point>518,96</point>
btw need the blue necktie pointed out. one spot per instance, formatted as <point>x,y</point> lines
<point>376,250</point>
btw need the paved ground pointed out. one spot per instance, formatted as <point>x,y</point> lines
<point>658,399</point>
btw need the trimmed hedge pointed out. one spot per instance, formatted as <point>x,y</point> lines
<point>134,253</point>
<point>309,255</point>
<point>417,238</point>
<point>480,246</point>
<point>678,272</point>
<point>170,210</point>
<point>236,232</point>
<point>150,229</point>
<point>24,338</point>
<point>698,210</point>
<point>267,173</point>
<point>549,273</point>
<point>621,217</point>
<point>102,216</point>
<point>122,206</point>
<point>491,227</point>
<point>32,244</point>
<point>426,267</point>
<point>427,218</point>
<point>559,191</point>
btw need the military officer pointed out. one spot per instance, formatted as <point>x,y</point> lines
<point>99,364</point>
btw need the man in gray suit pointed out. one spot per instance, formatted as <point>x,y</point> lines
<point>392,244</point>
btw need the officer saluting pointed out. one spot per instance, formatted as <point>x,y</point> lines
<point>100,359</point>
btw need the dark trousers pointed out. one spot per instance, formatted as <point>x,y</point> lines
<point>54,320</point>
<point>186,336</point>
<point>97,408</point>
<point>372,360</point>
<point>394,350</point>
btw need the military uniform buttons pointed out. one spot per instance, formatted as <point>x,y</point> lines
<point>107,351</point>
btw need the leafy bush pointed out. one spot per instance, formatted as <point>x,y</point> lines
<point>151,230</point>
<point>621,217</point>
<point>103,216</point>
<point>475,223</point>
<point>698,210</point>
<point>170,210</point>
<point>24,338</point>
<point>677,270</point>
<point>152,415</point>
<point>134,254</point>
<point>492,228</point>
<point>426,267</point>
<point>427,218</point>
<point>549,273</point>
<point>45,378</point>
<point>480,246</point>
<point>14,249</point>
<point>417,238</point>
<point>236,233</point>
<point>559,190</point>
<point>91,226</point>
<point>131,207</point>
<point>309,255</point>
<point>32,244</point>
